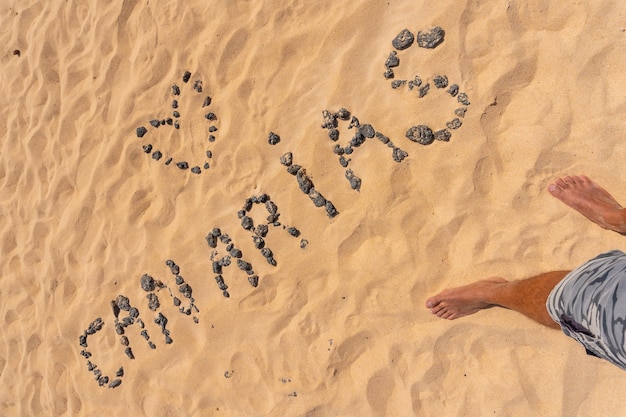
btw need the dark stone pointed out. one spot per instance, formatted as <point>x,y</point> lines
<point>403,40</point>
<point>343,161</point>
<point>133,313</point>
<point>460,111</point>
<point>144,334</point>
<point>211,240</point>
<point>267,253</point>
<point>397,83</point>
<point>304,182</point>
<point>355,182</point>
<point>271,207</point>
<point>241,213</point>
<point>293,169</point>
<point>197,85</point>
<point>147,283</point>
<point>169,121</point>
<point>454,123</point>
<point>177,301</point>
<point>330,120</point>
<point>399,154</point>
<point>120,372</point>
<point>209,154</point>
<point>357,140</point>
<point>423,90</point>
<point>147,148</point>
<point>303,243</point>
<point>217,267</point>
<point>416,82</point>
<point>186,76</point>
<point>185,290</point>
<point>225,294</point>
<point>258,242</point>
<point>388,74</point>
<point>392,60</point>
<point>367,130</point>
<point>207,102</point>
<point>82,340</point>
<point>196,170</point>
<point>247,222</point>
<point>210,116</point>
<point>206,165</point>
<point>211,138</point>
<point>86,354</point>
<point>354,122</point>
<point>453,90</point>
<point>176,114</point>
<point>123,302</point>
<point>384,139</point>
<point>331,210</point>
<point>174,269</point>
<point>343,114</point>
<point>175,90</point>
<point>286,159</point>
<point>212,129</point>
<point>430,38</point>
<point>168,161</point>
<point>348,150</point>
<point>293,231</point>
<point>253,280</point>
<point>273,218</point>
<point>317,198</point>
<point>174,105</point>
<point>273,138</point>
<point>443,135</point>
<point>338,150</point>
<point>115,308</point>
<point>463,99</point>
<point>115,383</point>
<point>236,253</point>
<point>152,345</point>
<point>94,326</point>
<point>261,230</point>
<point>243,265</point>
<point>129,353</point>
<point>182,165</point>
<point>176,125</point>
<point>155,123</point>
<point>333,134</point>
<point>124,341</point>
<point>161,320</point>
<point>420,134</point>
<point>440,81</point>
<point>153,301</point>
<point>156,155</point>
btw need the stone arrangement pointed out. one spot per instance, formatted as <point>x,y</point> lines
<point>429,39</point>
<point>174,121</point>
<point>362,133</point>
<point>307,187</point>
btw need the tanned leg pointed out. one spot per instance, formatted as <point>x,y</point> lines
<point>526,296</point>
<point>590,200</point>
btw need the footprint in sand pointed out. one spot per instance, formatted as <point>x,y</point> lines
<point>158,152</point>
<point>429,39</point>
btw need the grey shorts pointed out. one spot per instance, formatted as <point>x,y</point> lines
<point>590,306</point>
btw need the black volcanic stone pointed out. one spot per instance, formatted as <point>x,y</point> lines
<point>403,40</point>
<point>430,38</point>
<point>141,131</point>
<point>420,134</point>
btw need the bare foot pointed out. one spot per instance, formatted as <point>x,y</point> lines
<point>462,301</point>
<point>590,200</point>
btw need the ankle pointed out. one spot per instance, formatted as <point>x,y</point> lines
<point>617,221</point>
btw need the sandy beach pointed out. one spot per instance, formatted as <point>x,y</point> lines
<point>165,255</point>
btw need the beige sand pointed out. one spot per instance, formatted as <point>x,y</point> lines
<point>339,328</point>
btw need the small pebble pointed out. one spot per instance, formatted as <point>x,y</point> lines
<point>155,123</point>
<point>186,76</point>
<point>460,111</point>
<point>212,129</point>
<point>196,170</point>
<point>440,81</point>
<point>399,154</point>
<point>463,99</point>
<point>333,134</point>
<point>115,383</point>
<point>207,102</point>
<point>271,207</point>
<point>423,90</point>
<point>354,122</point>
<point>330,120</point>
<point>304,181</point>
<point>182,165</point>
<point>355,182</point>
<point>168,161</point>
<point>454,123</point>
<point>141,131</point>
<point>153,301</point>
<point>293,231</point>
<point>331,210</point>
<point>247,223</point>
<point>286,159</point>
<point>384,139</point>
<point>197,85</point>
<point>261,230</point>
<point>174,105</point>
<point>210,116</point>
<point>343,114</point>
<point>357,140</point>
<point>403,40</point>
<point>175,90</point>
<point>176,113</point>
<point>303,243</point>
<point>147,148</point>
<point>156,155</point>
<point>430,38</point>
<point>420,134</point>
<point>120,372</point>
<point>123,302</point>
<point>338,150</point>
<point>392,60</point>
<point>388,74</point>
<point>343,161</point>
<point>318,199</point>
<point>129,353</point>
<point>293,169</point>
<point>367,130</point>
<point>416,82</point>
<point>453,90</point>
<point>443,135</point>
<point>253,280</point>
<point>397,83</point>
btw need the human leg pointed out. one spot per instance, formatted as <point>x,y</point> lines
<point>591,200</point>
<point>526,296</point>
